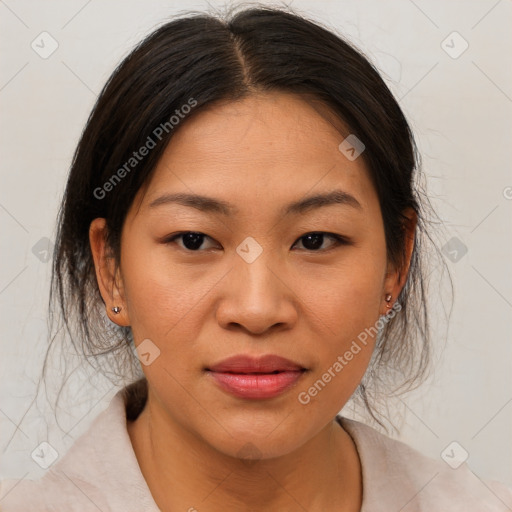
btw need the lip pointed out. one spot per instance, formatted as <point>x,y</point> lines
<point>256,378</point>
<point>248,364</point>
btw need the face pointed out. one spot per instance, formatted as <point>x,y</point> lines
<point>248,273</point>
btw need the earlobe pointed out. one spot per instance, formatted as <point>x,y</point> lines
<point>107,275</point>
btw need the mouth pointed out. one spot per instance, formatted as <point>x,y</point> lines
<point>256,378</point>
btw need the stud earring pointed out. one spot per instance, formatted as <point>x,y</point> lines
<point>388,300</point>
<point>116,310</point>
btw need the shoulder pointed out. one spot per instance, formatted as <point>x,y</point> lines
<point>99,472</point>
<point>398,477</point>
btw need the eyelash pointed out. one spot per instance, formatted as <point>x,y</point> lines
<point>338,239</point>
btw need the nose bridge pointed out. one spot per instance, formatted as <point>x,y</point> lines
<point>257,297</point>
<point>258,277</point>
<point>255,263</point>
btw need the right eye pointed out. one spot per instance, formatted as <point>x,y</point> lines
<point>190,240</point>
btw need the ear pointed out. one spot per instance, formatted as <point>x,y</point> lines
<point>109,278</point>
<point>396,277</point>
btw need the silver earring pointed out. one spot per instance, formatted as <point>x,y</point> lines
<point>116,310</point>
<point>388,300</point>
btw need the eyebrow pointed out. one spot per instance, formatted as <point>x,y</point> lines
<point>212,205</point>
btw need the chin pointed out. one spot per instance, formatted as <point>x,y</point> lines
<point>259,436</point>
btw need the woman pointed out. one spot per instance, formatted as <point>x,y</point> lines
<point>243,206</point>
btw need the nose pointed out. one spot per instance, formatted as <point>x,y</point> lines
<point>257,298</point>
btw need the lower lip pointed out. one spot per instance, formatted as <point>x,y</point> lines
<point>262,385</point>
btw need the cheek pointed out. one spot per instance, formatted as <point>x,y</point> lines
<point>346,296</point>
<point>158,294</point>
<point>346,305</point>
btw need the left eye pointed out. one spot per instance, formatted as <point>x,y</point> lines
<point>314,241</point>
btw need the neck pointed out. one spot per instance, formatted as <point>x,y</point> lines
<point>185,473</point>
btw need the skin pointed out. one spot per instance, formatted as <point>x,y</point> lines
<point>200,307</point>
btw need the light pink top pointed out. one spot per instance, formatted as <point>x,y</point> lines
<point>100,472</point>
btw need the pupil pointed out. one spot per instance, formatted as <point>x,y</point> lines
<point>313,241</point>
<point>192,241</point>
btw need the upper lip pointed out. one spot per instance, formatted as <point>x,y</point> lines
<point>248,364</point>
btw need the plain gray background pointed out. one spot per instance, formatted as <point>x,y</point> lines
<point>459,103</point>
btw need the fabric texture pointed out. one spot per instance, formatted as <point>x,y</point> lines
<point>100,472</point>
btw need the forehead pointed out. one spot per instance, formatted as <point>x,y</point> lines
<point>268,148</point>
